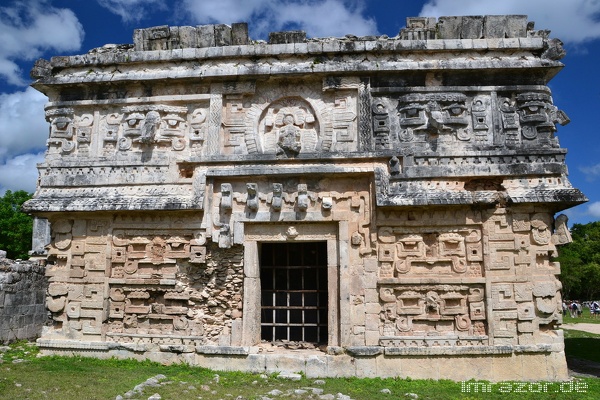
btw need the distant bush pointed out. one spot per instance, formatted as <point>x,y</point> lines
<point>580,263</point>
<point>15,226</point>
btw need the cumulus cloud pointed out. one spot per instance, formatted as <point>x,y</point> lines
<point>23,128</point>
<point>28,28</point>
<point>573,21</point>
<point>594,209</point>
<point>319,18</point>
<point>592,172</point>
<point>132,10</point>
<point>20,173</point>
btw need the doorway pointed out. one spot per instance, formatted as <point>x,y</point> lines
<point>294,291</point>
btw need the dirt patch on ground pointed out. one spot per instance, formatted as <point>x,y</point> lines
<point>591,328</point>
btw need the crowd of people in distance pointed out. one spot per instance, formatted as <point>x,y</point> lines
<point>575,308</point>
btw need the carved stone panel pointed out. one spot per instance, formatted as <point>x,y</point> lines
<point>418,314</point>
<point>431,252</point>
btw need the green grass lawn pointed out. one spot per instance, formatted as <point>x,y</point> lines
<point>25,376</point>
<point>586,317</point>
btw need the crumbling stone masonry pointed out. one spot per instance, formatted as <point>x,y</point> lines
<point>357,206</point>
<point>23,287</point>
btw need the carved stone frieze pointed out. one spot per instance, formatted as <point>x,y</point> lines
<point>433,310</point>
<point>429,252</point>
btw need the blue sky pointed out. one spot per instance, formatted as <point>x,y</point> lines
<point>30,29</point>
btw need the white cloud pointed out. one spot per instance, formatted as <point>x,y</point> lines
<point>319,18</point>
<point>23,128</point>
<point>29,28</point>
<point>594,209</point>
<point>20,173</point>
<point>132,10</point>
<point>573,21</point>
<point>592,172</point>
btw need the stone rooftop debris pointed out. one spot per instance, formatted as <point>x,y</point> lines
<point>390,201</point>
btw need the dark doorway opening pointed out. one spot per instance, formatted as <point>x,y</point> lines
<point>294,291</point>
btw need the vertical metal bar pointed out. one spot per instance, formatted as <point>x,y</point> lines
<point>273,299</point>
<point>287,297</point>
<point>318,290</point>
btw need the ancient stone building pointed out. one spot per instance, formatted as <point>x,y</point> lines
<point>366,206</point>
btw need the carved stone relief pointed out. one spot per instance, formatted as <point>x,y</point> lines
<point>290,128</point>
<point>154,125</point>
<point>426,313</point>
<point>430,252</point>
<point>434,114</point>
<point>287,121</point>
<point>63,133</point>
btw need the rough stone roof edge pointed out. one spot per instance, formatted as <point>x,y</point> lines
<point>475,33</point>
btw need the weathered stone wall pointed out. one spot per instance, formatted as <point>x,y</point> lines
<point>426,165</point>
<point>23,286</point>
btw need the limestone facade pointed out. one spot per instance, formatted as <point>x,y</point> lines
<point>400,193</point>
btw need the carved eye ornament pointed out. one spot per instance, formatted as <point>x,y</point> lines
<point>62,122</point>
<point>173,120</point>
<point>411,110</point>
<point>455,109</point>
<point>533,107</point>
<point>134,119</point>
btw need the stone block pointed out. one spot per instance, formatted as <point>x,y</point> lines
<point>366,367</point>
<point>531,42</point>
<point>287,37</point>
<point>188,37</point>
<point>284,363</point>
<point>449,27</point>
<point>456,44</point>
<point>315,47</point>
<point>472,27</point>
<point>534,366</point>
<point>222,35</point>
<point>370,281</point>
<point>341,366</point>
<point>419,367</point>
<point>501,26</point>
<point>557,367</point>
<point>459,368</point>
<point>281,49</point>
<point>206,35</point>
<point>440,44</point>
<point>222,363</point>
<point>506,367</point>
<point>239,33</point>
<point>317,366</point>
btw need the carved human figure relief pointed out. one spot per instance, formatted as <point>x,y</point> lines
<point>277,197</point>
<point>252,196</point>
<point>289,127</point>
<point>289,138</point>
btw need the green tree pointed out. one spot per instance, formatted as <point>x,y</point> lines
<point>15,226</point>
<point>580,263</point>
